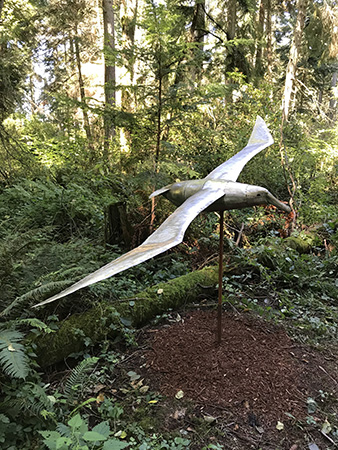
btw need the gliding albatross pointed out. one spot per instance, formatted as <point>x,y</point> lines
<point>218,191</point>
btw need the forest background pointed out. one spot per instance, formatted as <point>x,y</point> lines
<point>101,103</point>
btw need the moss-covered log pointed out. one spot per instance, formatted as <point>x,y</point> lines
<point>300,245</point>
<point>103,321</point>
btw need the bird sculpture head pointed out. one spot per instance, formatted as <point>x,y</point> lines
<point>218,191</point>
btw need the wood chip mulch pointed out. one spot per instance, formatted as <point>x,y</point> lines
<point>257,370</point>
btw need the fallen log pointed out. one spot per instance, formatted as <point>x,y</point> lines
<point>104,320</point>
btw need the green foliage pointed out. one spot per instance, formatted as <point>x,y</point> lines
<point>13,358</point>
<point>76,380</point>
<point>76,436</point>
<point>195,93</point>
<point>278,282</point>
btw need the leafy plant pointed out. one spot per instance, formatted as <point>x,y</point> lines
<point>13,358</point>
<point>76,436</point>
<point>77,378</point>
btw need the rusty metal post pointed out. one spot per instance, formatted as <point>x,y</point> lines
<point>220,277</point>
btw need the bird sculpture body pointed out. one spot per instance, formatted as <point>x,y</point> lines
<point>218,191</point>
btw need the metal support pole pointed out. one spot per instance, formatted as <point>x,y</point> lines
<point>220,277</point>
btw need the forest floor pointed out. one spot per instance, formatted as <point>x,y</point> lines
<point>258,389</point>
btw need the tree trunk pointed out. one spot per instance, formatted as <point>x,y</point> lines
<point>293,58</point>
<point>259,43</point>
<point>117,226</point>
<point>231,34</point>
<point>97,322</point>
<point>82,91</point>
<point>128,18</point>
<point>109,73</point>
<point>158,143</point>
<point>333,99</point>
<point>1,6</point>
<point>197,32</point>
<point>268,28</point>
<point>231,19</point>
<point>129,9</point>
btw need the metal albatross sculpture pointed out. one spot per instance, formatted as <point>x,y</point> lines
<point>218,191</point>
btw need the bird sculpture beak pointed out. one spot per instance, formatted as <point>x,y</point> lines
<point>275,202</point>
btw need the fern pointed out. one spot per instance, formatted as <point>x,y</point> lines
<point>30,398</point>
<point>37,295</point>
<point>76,376</point>
<point>13,358</point>
<point>35,323</point>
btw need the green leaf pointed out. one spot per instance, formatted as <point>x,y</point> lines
<point>125,321</point>
<point>311,405</point>
<point>13,359</point>
<point>133,376</point>
<point>51,438</point>
<point>75,422</point>
<point>63,443</point>
<point>102,428</point>
<point>93,436</point>
<point>114,444</point>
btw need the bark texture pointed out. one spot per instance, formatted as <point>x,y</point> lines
<point>109,72</point>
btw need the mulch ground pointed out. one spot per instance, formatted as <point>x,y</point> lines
<point>257,371</point>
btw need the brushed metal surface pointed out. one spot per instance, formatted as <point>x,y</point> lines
<point>218,191</point>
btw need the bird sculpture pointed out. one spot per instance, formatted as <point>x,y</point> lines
<point>218,191</point>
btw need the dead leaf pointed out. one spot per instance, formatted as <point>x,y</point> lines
<point>209,419</point>
<point>280,426</point>
<point>124,390</point>
<point>11,348</point>
<point>100,398</point>
<point>144,389</point>
<point>137,384</point>
<point>98,388</point>
<point>326,428</point>
<point>179,394</point>
<point>179,413</point>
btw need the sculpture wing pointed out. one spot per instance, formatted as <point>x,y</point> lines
<point>260,139</point>
<point>168,235</point>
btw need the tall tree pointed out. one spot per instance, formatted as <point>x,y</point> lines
<point>259,38</point>
<point>71,45</point>
<point>109,73</point>
<point>293,58</point>
<point>197,33</point>
<point>268,28</point>
<point>1,6</point>
<point>82,86</point>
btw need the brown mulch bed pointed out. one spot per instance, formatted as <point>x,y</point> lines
<point>257,371</point>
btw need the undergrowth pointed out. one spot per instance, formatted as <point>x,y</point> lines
<point>52,234</point>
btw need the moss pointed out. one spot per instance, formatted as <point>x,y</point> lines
<point>103,320</point>
<point>173,294</point>
<point>299,244</point>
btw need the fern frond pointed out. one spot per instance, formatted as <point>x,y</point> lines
<point>76,376</point>
<point>37,295</point>
<point>36,323</point>
<point>31,399</point>
<point>13,358</point>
